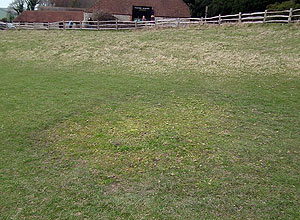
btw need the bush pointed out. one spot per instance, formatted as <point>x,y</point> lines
<point>99,15</point>
<point>283,6</point>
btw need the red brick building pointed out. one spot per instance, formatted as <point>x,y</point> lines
<point>121,9</point>
<point>135,9</point>
<point>49,16</point>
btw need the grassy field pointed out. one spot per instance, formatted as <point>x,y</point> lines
<point>196,123</point>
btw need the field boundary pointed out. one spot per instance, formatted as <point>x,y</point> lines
<point>285,16</point>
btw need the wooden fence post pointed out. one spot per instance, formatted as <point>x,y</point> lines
<point>240,17</point>
<point>220,20</point>
<point>98,25</point>
<point>206,11</point>
<point>178,22</point>
<point>290,16</point>
<point>265,16</point>
<point>117,28</point>
<point>64,25</point>
<point>135,24</point>
<point>80,25</point>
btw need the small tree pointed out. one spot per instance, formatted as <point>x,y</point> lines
<point>17,5</point>
<point>99,15</point>
<point>10,16</point>
<point>31,4</point>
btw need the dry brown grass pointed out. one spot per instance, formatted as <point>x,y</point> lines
<point>158,51</point>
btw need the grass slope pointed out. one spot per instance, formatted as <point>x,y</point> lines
<point>3,13</point>
<point>199,123</point>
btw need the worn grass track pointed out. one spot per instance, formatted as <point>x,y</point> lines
<point>196,123</point>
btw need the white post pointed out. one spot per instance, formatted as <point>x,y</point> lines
<point>220,21</point>
<point>265,16</point>
<point>206,11</point>
<point>290,15</point>
<point>205,16</point>
<point>240,17</point>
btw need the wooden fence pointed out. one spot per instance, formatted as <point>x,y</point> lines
<point>286,16</point>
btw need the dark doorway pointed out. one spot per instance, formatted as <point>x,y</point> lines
<point>139,11</point>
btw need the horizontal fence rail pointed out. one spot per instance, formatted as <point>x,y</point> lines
<point>285,16</point>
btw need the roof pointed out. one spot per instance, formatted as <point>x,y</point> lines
<point>162,8</point>
<point>49,16</point>
<point>50,8</point>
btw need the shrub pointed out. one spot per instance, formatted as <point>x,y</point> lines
<point>99,15</point>
<point>284,5</point>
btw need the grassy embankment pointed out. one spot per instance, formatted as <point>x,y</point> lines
<point>168,124</point>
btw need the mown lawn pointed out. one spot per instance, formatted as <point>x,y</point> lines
<point>195,123</point>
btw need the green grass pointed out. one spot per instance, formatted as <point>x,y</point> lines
<point>195,123</point>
